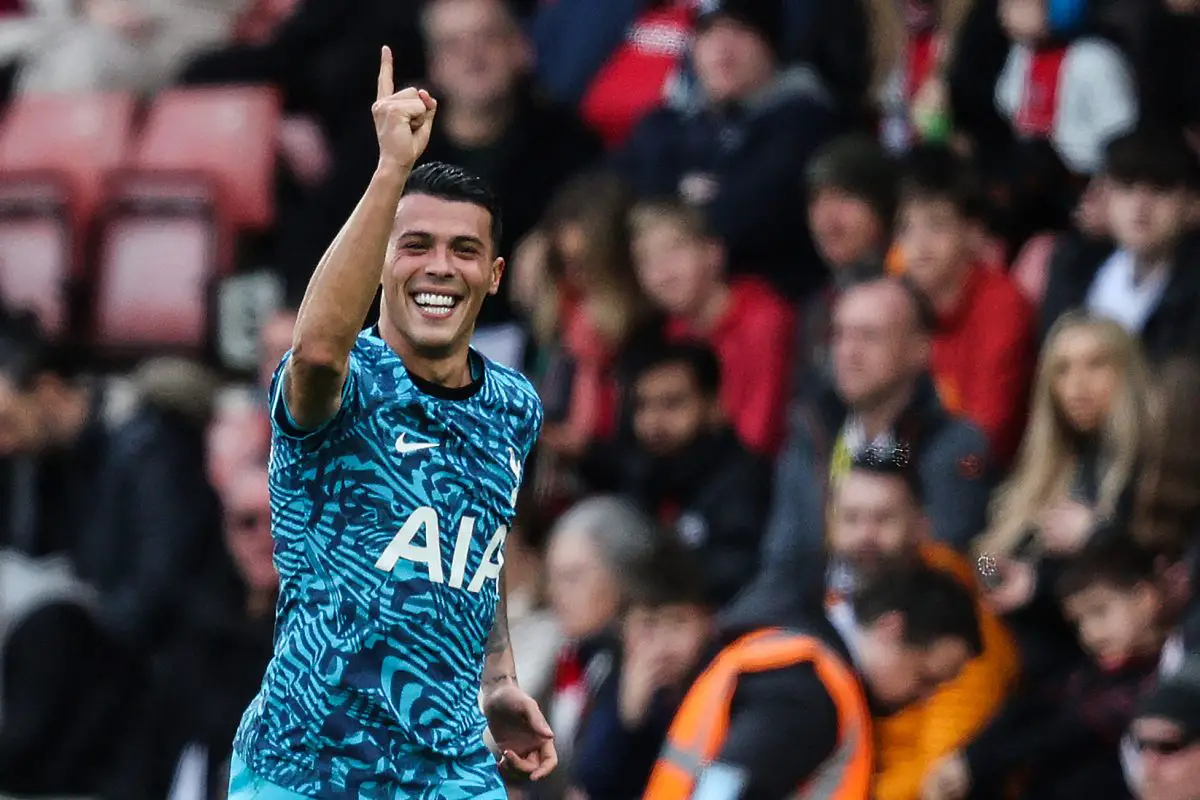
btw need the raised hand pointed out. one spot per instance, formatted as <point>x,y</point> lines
<point>403,120</point>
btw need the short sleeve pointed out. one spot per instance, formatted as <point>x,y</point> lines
<point>284,424</point>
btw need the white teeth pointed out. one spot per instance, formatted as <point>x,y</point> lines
<point>435,300</point>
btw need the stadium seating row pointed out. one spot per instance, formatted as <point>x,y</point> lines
<point>136,211</point>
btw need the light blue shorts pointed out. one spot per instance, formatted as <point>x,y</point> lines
<point>477,782</point>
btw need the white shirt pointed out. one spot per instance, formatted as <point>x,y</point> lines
<point>1097,99</point>
<point>1114,294</point>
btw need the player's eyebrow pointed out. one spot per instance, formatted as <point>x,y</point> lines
<point>426,236</point>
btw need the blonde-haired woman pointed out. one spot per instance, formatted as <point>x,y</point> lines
<point>574,280</point>
<point>1073,474</point>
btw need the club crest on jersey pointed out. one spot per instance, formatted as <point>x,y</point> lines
<point>424,520</point>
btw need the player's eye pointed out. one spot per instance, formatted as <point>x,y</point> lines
<point>414,247</point>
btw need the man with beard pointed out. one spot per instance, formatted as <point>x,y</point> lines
<point>688,468</point>
<point>876,520</point>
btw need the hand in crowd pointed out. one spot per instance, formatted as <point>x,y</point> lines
<point>1066,527</point>
<point>643,673</point>
<point>949,780</point>
<point>1017,581</point>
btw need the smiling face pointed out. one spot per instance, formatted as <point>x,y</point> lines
<point>439,268</point>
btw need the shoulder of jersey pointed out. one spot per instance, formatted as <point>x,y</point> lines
<point>513,381</point>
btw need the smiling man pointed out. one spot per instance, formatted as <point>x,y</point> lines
<point>396,458</point>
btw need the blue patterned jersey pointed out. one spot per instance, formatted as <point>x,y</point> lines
<point>389,526</point>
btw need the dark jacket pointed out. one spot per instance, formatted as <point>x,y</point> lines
<point>1173,328</point>
<point>1066,742</point>
<point>951,459</point>
<point>754,155</point>
<point>716,494</point>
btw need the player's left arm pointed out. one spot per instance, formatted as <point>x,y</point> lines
<point>499,666</point>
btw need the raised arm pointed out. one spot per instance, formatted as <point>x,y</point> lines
<point>343,285</point>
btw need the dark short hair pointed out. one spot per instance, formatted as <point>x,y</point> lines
<point>934,172</point>
<point>448,182</point>
<point>935,604</point>
<point>672,577</point>
<point>1110,559</point>
<point>697,357</point>
<point>1152,156</point>
<point>890,462</point>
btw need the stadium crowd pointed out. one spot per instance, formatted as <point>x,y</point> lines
<point>808,287</point>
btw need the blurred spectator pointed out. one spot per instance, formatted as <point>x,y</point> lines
<point>983,341</point>
<point>1066,744</point>
<point>491,123</point>
<point>688,468</point>
<point>593,547</point>
<point>880,396</point>
<point>615,61</point>
<point>122,491</point>
<point>274,340</point>
<point>1073,475</point>
<point>1166,512</point>
<point>736,154</point>
<point>914,42</point>
<point>238,437</point>
<point>1166,732</point>
<point>1076,93</point>
<point>1149,282</point>
<point>750,327</point>
<point>324,58</point>
<point>111,45</point>
<point>666,628</point>
<point>875,519</point>
<point>575,279</point>
<point>777,709</point>
<point>65,689</point>
<point>214,667</point>
<point>852,186</point>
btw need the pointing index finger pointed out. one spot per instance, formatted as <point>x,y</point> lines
<point>386,85</point>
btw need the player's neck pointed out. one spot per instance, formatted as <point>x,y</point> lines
<point>452,371</point>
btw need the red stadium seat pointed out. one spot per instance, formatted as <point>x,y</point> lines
<point>159,255</point>
<point>227,133</point>
<point>37,250</point>
<point>78,137</point>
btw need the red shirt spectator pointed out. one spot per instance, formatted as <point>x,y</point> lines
<point>983,357</point>
<point>983,342</point>
<point>635,78</point>
<point>749,326</point>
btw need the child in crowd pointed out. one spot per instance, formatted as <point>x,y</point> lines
<point>1067,746</point>
<point>751,328</point>
<point>667,626</point>
<point>1147,283</point>
<point>983,339</point>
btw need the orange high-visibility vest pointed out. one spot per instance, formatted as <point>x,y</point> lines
<point>702,722</point>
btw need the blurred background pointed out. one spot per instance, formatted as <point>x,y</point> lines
<point>745,239</point>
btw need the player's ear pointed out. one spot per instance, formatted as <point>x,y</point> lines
<point>497,272</point>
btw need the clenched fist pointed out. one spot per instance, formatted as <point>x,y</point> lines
<point>403,120</point>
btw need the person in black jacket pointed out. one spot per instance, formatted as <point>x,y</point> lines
<point>1148,278</point>
<point>688,468</point>
<point>493,122</point>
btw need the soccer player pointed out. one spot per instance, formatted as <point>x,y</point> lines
<point>396,458</point>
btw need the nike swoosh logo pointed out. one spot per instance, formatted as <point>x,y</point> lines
<point>404,447</point>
